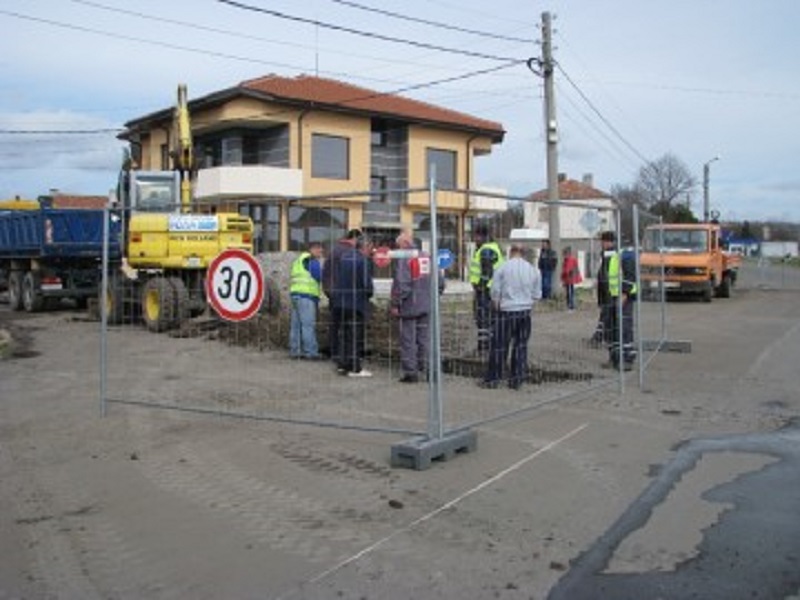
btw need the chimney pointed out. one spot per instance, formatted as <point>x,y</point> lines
<point>562,177</point>
<point>588,180</point>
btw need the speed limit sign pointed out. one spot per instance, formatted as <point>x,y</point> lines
<point>235,285</point>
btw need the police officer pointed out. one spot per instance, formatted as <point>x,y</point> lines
<point>618,278</point>
<point>304,291</point>
<point>485,260</point>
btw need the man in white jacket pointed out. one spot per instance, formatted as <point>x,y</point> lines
<point>516,286</point>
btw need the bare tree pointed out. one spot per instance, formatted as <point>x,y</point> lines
<point>661,182</point>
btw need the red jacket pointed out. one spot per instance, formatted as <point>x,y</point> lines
<point>570,273</point>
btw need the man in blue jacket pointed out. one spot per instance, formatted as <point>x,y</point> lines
<point>354,288</point>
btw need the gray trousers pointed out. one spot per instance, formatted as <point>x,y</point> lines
<point>414,345</point>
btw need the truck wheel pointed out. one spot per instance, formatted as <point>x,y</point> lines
<point>32,299</point>
<point>158,304</point>
<point>15,290</point>
<point>724,289</point>
<point>708,293</point>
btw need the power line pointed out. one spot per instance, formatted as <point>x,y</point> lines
<point>60,131</point>
<point>117,36</point>
<point>394,15</point>
<point>362,33</point>
<point>241,35</point>
<point>601,116</point>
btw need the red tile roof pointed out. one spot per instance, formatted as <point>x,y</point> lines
<point>330,93</point>
<point>569,189</point>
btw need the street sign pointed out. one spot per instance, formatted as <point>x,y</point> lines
<point>235,285</point>
<point>590,221</point>
<point>446,258</point>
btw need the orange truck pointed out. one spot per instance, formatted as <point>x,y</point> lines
<point>687,258</point>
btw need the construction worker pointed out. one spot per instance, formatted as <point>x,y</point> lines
<point>304,291</point>
<point>485,260</point>
<point>617,274</point>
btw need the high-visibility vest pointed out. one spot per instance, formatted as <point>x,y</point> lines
<point>615,275</point>
<point>475,264</point>
<point>301,280</point>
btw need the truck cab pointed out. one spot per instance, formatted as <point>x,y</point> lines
<point>687,258</point>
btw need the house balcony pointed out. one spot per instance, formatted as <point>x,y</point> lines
<point>484,200</point>
<point>248,181</point>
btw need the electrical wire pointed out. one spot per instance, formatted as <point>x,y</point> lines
<point>60,131</point>
<point>239,35</point>
<point>447,26</point>
<point>362,33</point>
<point>607,123</point>
<point>117,36</point>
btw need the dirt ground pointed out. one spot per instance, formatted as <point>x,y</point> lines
<point>159,504</point>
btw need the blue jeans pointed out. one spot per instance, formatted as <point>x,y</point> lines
<point>303,328</point>
<point>547,284</point>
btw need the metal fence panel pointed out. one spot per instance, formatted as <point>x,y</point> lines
<point>193,361</point>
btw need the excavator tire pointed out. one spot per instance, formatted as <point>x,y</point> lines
<point>158,304</point>
<point>115,308</point>
<point>182,306</point>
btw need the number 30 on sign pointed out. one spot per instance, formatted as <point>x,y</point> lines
<point>235,285</point>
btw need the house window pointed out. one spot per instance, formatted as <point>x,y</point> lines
<point>232,151</point>
<point>165,166</point>
<point>266,225</point>
<point>379,134</point>
<point>250,150</point>
<point>445,163</point>
<point>330,156</point>
<point>377,185</point>
<point>315,224</point>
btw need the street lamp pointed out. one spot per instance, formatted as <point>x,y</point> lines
<point>705,188</point>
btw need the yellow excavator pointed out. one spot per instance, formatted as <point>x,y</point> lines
<point>167,248</point>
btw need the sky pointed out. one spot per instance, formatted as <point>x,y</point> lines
<point>635,80</point>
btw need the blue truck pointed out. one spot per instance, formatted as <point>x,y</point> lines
<point>48,253</point>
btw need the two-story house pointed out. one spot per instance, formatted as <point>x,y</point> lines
<point>309,157</point>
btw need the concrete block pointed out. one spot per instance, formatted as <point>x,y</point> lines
<point>419,452</point>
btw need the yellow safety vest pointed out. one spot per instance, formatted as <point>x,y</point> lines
<point>301,280</point>
<point>475,264</point>
<point>615,276</point>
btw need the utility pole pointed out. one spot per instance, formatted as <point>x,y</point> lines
<point>705,188</point>
<point>551,128</point>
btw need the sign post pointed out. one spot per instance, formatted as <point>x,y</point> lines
<point>235,285</point>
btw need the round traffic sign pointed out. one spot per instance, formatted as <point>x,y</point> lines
<point>235,285</point>
<point>381,257</point>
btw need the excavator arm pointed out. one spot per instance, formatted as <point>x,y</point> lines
<point>183,148</point>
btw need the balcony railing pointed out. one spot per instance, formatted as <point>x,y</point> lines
<point>248,181</point>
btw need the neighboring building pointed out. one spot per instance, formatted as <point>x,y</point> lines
<point>743,246</point>
<point>771,249</point>
<point>580,225</point>
<point>282,149</point>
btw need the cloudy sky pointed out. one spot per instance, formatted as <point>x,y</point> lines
<point>637,79</point>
